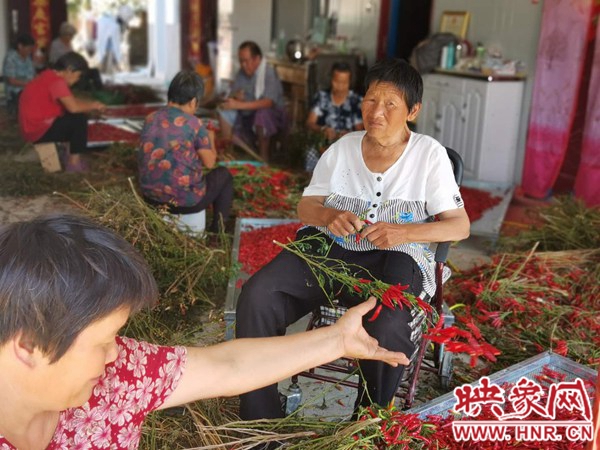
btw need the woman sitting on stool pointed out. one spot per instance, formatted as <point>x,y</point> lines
<point>174,147</point>
<point>48,111</point>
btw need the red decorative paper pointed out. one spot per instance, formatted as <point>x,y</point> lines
<point>40,22</point>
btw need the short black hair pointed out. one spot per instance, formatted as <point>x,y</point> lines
<point>252,46</point>
<point>72,61</point>
<point>402,75</point>
<point>25,40</point>
<point>341,66</point>
<point>185,86</point>
<point>61,273</point>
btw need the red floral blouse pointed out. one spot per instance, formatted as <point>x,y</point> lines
<point>136,383</point>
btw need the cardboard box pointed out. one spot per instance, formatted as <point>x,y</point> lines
<point>48,155</point>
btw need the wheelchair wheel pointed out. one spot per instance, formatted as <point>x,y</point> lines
<point>445,370</point>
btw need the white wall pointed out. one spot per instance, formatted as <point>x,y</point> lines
<point>164,45</point>
<point>239,21</point>
<point>513,26</point>
<point>295,17</point>
<point>359,20</point>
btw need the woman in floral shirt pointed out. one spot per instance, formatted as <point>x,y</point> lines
<point>174,147</point>
<point>67,382</point>
<point>334,112</point>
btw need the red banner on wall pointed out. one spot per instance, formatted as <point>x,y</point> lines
<point>40,22</point>
<point>195,31</point>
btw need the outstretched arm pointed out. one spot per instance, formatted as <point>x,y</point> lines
<point>243,365</point>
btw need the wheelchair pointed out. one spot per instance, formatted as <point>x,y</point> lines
<point>440,362</point>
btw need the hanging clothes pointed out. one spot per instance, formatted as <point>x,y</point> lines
<point>587,181</point>
<point>559,68</point>
<point>108,37</point>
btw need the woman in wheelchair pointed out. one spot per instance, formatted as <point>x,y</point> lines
<point>383,184</point>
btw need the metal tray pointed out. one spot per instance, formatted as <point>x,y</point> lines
<point>242,225</point>
<point>444,404</point>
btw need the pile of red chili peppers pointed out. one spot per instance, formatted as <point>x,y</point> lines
<point>477,202</point>
<point>257,247</point>
<point>528,304</point>
<point>261,190</point>
<point>103,132</point>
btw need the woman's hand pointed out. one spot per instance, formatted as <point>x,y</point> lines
<point>343,223</point>
<point>384,235</point>
<point>356,341</point>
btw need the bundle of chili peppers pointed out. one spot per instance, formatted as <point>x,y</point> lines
<point>528,303</point>
<point>361,283</point>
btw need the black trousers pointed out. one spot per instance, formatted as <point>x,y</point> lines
<point>71,128</point>
<point>285,290</point>
<point>219,194</point>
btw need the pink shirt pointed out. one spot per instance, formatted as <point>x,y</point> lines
<point>39,104</point>
<point>136,383</point>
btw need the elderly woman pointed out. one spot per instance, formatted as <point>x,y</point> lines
<point>334,112</point>
<point>382,184</point>
<point>66,381</point>
<point>174,151</point>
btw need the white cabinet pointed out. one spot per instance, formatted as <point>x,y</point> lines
<point>478,118</point>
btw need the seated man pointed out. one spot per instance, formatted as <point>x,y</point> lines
<point>254,111</point>
<point>18,70</point>
<point>334,112</point>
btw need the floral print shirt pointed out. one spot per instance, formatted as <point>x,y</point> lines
<point>136,383</point>
<point>342,117</point>
<point>169,167</point>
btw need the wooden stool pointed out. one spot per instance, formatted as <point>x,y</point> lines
<point>48,154</point>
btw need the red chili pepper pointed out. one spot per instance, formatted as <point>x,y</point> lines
<point>376,313</point>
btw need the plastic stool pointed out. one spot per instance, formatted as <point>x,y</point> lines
<point>193,224</point>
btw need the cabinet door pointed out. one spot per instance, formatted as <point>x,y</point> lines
<point>451,121</point>
<point>428,121</point>
<point>472,117</point>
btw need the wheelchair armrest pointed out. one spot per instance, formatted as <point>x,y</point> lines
<point>441,252</point>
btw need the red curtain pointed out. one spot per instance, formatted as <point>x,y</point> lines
<point>195,29</point>
<point>40,22</point>
<point>559,68</point>
<point>587,182</point>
